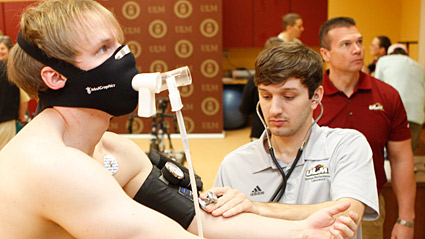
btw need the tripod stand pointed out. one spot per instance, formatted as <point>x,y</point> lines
<point>160,131</point>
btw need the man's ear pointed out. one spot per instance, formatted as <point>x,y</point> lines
<point>318,93</point>
<point>317,97</point>
<point>325,54</point>
<point>382,51</point>
<point>53,79</point>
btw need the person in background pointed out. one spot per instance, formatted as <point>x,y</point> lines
<point>359,101</point>
<point>408,78</point>
<point>9,107</point>
<point>5,45</point>
<point>91,183</point>
<point>322,166</point>
<point>273,41</point>
<point>12,101</point>
<point>378,48</point>
<point>292,25</point>
<point>250,98</point>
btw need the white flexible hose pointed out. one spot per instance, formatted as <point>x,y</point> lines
<point>185,142</point>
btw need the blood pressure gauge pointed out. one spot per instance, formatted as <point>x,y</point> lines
<point>172,173</point>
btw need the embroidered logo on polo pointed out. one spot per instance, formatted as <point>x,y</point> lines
<point>376,106</point>
<point>317,173</point>
<point>257,191</point>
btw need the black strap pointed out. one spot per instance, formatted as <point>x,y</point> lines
<point>62,67</point>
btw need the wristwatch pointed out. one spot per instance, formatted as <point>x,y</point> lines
<point>172,173</point>
<point>405,223</point>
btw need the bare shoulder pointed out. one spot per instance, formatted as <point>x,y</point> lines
<point>133,164</point>
<point>124,149</point>
<point>120,143</point>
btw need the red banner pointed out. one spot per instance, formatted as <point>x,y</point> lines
<point>164,35</point>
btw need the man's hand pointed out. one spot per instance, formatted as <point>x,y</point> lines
<point>402,232</point>
<point>230,203</point>
<point>322,224</point>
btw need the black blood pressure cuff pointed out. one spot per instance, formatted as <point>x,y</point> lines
<point>171,200</point>
<point>159,160</point>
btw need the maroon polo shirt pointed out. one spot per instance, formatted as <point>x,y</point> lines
<point>375,109</point>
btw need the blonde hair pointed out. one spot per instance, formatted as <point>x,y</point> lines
<point>56,27</point>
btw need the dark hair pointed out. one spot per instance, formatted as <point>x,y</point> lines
<point>276,64</point>
<point>273,41</point>
<point>399,51</point>
<point>7,41</point>
<point>289,20</point>
<point>331,24</point>
<point>384,42</point>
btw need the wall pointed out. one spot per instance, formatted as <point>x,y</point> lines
<point>164,35</point>
<point>410,15</point>
<point>397,19</point>
<point>421,48</point>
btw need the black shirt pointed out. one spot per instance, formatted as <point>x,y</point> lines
<point>9,97</point>
<point>248,107</point>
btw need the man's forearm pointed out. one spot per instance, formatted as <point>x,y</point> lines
<point>290,211</point>
<point>404,185</point>
<point>403,177</point>
<point>299,212</point>
<point>318,225</point>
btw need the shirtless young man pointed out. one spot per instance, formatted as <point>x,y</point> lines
<point>54,182</point>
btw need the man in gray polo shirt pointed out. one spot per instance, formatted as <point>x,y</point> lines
<point>329,165</point>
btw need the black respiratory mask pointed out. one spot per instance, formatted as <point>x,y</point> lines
<point>106,87</point>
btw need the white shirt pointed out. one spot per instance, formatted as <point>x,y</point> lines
<point>336,163</point>
<point>280,36</point>
<point>408,78</point>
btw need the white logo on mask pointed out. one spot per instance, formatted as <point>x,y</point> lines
<point>102,87</point>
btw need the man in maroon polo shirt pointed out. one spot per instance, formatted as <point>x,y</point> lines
<point>356,100</point>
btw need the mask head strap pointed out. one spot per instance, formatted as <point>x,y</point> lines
<point>62,67</point>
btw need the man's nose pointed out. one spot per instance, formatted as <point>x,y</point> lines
<point>357,49</point>
<point>276,106</point>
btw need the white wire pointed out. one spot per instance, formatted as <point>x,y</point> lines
<point>185,142</point>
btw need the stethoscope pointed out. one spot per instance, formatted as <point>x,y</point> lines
<point>277,195</point>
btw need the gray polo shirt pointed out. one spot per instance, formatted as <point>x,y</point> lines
<point>336,163</point>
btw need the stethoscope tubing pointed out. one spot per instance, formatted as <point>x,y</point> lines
<point>277,195</point>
